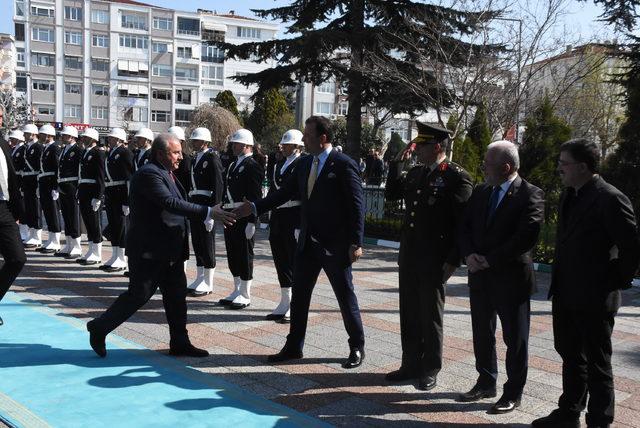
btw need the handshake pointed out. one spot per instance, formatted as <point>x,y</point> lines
<point>228,218</point>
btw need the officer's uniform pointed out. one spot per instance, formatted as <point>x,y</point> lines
<point>435,197</point>
<point>91,187</point>
<point>140,158</point>
<point>48,181</point>
<point>68,188</point>
<point>17,201</point>
<point>30,185</point>
<point>118,170</point>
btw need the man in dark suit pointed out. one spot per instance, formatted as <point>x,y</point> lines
<point>500,229</point>
<point>435,194</point>
<point>11,248</point>
<point>331,235</point>
<point>157,246</point>
<point>596,255</point>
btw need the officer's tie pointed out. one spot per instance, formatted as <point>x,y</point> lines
<point>493,202</point>
<point>313,174</point>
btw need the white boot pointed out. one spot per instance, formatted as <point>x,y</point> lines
<point>67,247</point>
<point>285,301</point>
<point>86,255</point>
<point>39,236</point>
<point>206,285</point>
<point>35,238</point>
<point>199,279</point>
<point>236,292</point>
<point>24,232</point>
<point>53,243</point>
<point>113,258</point>
<point>120,262</point>
<point>75,248</point>
<point>95,254</point>
<point>208,278</point>
<point>244,298</point>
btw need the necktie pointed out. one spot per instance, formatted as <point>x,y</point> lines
<point>173,177</point>
<point>493,202</point>
<point>313,174</point>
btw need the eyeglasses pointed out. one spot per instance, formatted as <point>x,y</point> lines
<point>566,163</point>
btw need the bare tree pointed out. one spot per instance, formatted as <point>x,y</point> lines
<point>221,122</point>
<point>16,110</point>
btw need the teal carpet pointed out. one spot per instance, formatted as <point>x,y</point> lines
<point>50,377</point>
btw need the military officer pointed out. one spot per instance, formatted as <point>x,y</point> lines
<point>18,150</point>
<point>118,169</point>
<point>30,186</point>
<point>206,187</point>
<point>143,139</point>
<point>47,187</point>
<point>67,190</point>
<point>435,195</point>
<point>91,194</point>
<point>284,223</point>
<point>243,180</point>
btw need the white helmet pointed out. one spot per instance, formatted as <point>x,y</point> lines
<point>30,128</point>
<point>292,136</point>
<point>145,133</point>
<point>177,132</point>
<point>17,135</point>
<point>242,136</point>
<point>91,133</point>
<point>47,129</point>
<point>118,133</point>
<point>70,130</point>
<point>201,134</point>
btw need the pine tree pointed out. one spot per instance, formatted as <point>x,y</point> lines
<point>270,118</point>
<point>395,146</point>
<point>227,100</point>
<point>464,151</point>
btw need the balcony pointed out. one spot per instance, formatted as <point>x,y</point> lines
<point>189,27</point>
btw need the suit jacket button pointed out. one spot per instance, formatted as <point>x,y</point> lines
<point>418,191</point>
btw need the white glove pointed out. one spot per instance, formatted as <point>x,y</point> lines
<point>208,224</point>
<point>55,195</point>
<point>296,234</point>
<point>250,230</point>
<point>95,204</point>
<point>125,210</point>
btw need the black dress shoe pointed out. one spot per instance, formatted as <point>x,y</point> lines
<point>284,355</point>
<point>273,317</point>
<point>96,340</point>
<point>284,320</point>
<point>111,269</point>
<point>126,273</point>
<point>557,419</point>
<point>61,254</point>
<point>401,375</point>
<point>71,257</point>
<point>225,302</point>
<point>504,405</point>
<point>355,359</point>
<point>188,351</point>
<point>236,306</point>
<point>427,383</point>
<point>477,393</point>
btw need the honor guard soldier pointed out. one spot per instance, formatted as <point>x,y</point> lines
<point>243,180</point>
<point>284,223</point>
<point>68,189</point>
<point>91,194</point>
<point>143,140</point>
<point>48,188</point>
<point>183,174</point>
<point>206,188</point>
<point>18,152</point>
<point>435,195</point>
<point>118,169</point>
<point>30,186</point>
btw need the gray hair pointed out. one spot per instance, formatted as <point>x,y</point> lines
<point>161,144</point>
<point>507,151</point>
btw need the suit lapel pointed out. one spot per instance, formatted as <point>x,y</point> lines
<point>328,163</point>
<point>506,200</point>
<point>581,208</point>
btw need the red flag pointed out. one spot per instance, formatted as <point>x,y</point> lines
<point>510,135</point>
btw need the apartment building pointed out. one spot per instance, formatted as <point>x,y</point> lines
<point>7,61</point>
<point>125,63</point>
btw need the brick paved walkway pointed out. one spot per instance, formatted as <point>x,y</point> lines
<point>240,340</point>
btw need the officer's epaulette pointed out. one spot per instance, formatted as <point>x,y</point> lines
<point>454,166</point>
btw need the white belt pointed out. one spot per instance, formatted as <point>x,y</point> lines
<point>66,179</point>
<point>232,205</point>
<point>115,183</point>
<point>30,173</point>
<point>87,181</point>
<point>46,174</point>
<point>290,204</point>
<point>201,192</point>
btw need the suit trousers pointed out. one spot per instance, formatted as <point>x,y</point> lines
<point>70,209</point>
<point>283,247</point>
<point>583,340</point>
<point>307,268</point>
<point>239,250</point>
<point>11,249</point>
<point>32,216</point>
<point>421,311</point>
<point>115,217</point>
<point>50,208</point>
<point>17,206</point>
<point>515,314</point>
<point>145,276</point>
<point>91,219</point>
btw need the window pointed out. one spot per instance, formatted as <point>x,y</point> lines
<point>100,16</point>
<point>213,75</point>
<point>160,116</point>
<point>161,94</point>
<point>42,59</point>
<point>99,64</point>
<point>100,40</point>
<point>185,52</point>
<point>324,108</point>
<point>209,95</point>
<point>328,87</point>
<point>21,81</point>
<point>42,34</point>
<point>186,74</point>
<point>248,33</point>
<point>19,30</point>
<point>72,13</point>
<point>100,90</point>
<point>49,110</point>
<point>183,96</point>
<point>136,114</point>
<point>133,68</point>
<point>20,57</point>
<point>98,112</point>
<point>43,85</point>
<point>343,109</point>
<point>212,53</point>
<point>72,62</point>
<point>73,38</point>
<point>162,23</point>
<point>184,115</point>
<point>159,70</point>
<point>137,22</point>
<point>73,88</point>
<point>133,91</point>
<point>134,42</point>
<point>19,7</point>
<point>160,47</point>
<point>42,11</point>
<point>187,26</point>
<point>72,110</point>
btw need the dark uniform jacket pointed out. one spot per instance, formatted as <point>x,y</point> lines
<point>435,202</point>
<point>184,170</point>
<point>118,168</point>
<point>50,158</point>
<point>32,159</point>
<point>206,184</point>
<point>140,160</point>
<point>287,218</point>
<point>69,164</point>
<point>585,272</point>
<point>245,181</point>
<point>92,169</point>
<point>17,156</point>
